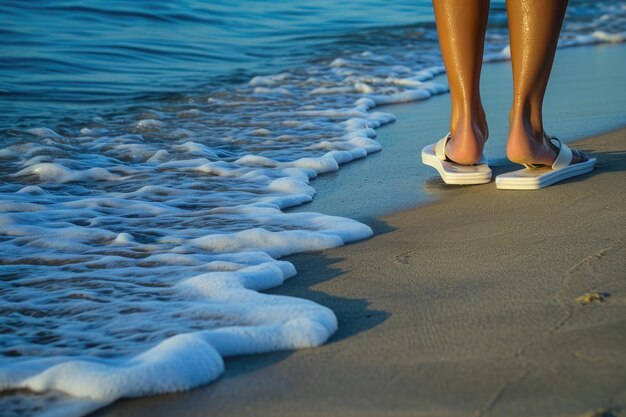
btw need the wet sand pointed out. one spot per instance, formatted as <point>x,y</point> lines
<point>480,302</point>
<point>586,96</point>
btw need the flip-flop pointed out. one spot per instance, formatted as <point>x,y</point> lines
<point>534,177</point>
<point>434,155</point>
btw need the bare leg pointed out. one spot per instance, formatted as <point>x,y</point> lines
<point>534,27</point>
<point>461,26</point>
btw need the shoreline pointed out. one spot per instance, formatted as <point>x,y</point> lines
<point>480,318</point>
<point>578,103</point>
<point>416,336</point>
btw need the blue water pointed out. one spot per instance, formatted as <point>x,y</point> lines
<point>63,57</point>
<point>77,55</point>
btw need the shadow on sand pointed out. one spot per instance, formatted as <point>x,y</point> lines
<point>354,316</point>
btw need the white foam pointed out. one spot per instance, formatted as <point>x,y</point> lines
<point>596,37</point>
<point>57,173</point>
<point>260,132</point>
<point>147,125</point>
<point>402,97</point>
<point>86,131</point>
<point>268,80</point>
<point>123,239</point>
<point>320,165</point>
<point>264,90</point>
<point>603,36</point>
<point>292,186</point>
<point>158,156</point>
<point>44,132</point>
<point>340,62</point>
<point>187,360</point>
<point>195,148</point>
<point>334,90</point>
<point>32,189</point>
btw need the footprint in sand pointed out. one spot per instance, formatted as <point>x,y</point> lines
<point>403,258</point>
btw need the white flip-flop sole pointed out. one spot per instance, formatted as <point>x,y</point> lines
<point>535,178</point>
<point>457,174</point>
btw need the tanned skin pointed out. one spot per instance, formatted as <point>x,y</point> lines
<point>534,27</point>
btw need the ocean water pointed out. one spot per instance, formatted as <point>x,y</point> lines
<point>147,152</point>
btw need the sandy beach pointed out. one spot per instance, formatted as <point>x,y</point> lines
<point>469,301</point>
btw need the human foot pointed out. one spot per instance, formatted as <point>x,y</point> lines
<point>538,176</point>
<point>467,141</point>
<point>527,148</point>
<point>434,155</point>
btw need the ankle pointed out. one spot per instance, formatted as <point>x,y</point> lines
<point>525,144</point>
<point>470,116</point>
<point>524,117</point>
<point>468,140</point>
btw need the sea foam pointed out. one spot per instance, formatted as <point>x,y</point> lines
<point>138,257</point>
